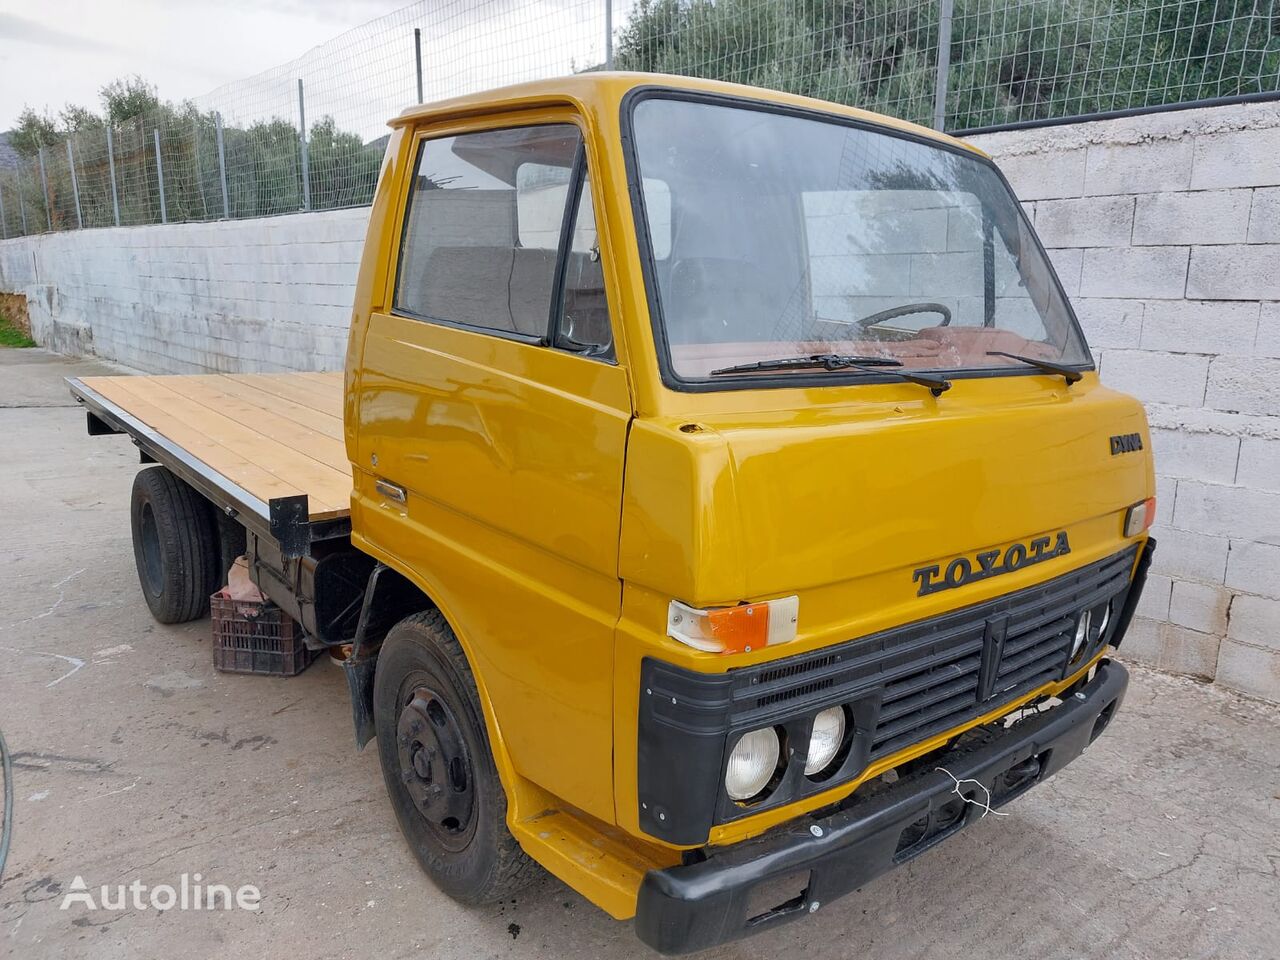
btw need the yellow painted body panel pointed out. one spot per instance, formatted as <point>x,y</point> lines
<point>555,506</point>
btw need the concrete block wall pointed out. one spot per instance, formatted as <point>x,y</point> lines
<point>1165,230</point>
<point>871,250</point>
<point>232,296</point>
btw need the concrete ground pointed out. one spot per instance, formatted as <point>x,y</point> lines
<point>135,760</point>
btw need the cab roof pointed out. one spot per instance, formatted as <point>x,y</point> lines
<point>605,90</point>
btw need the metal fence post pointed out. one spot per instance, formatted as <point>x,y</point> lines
<point>111,170</point>
<point>22,204</point>
<point>4,222</point>
<point>944,64</point>
<point>195,150</point>
<point>608,34</point>
<point>75,184</point>
<point>417,57</point>
<point>164,213</point>
<point>44,185</point>
<point>302,127</point>
<point>222,167</point>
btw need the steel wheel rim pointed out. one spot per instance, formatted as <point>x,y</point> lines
<point>435,766</point>
<point>152,564</point>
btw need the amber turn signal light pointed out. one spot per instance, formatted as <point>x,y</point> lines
<point>1139,517</point>
<point>740,629</point>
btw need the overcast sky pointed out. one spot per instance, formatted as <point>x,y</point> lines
<point>57,51</point>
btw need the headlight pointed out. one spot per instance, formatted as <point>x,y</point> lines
<point>752,763</point>
<point>1082,633</point>
<point>1105,620</point>
<point>824,743</point>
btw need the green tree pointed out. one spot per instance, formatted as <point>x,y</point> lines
<point>263,168</point>
<point>33,131</point>
<point>1009,61</point>
<point>343,170</point>
<point>128,97</point>
<point>75,118</point>
<point>868,53</point>
<point>1065,59</point>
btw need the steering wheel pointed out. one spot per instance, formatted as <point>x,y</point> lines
<point>906,310</point>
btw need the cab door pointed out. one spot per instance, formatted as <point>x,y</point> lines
<point>493,424</point>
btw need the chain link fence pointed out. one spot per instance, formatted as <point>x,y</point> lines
<point>310,134</point>
<point>1019,62</point>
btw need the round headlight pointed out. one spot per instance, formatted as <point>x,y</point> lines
<point>824,743</point>
<point>1104,620</point>
<point>752,763</point>
<point>1082,633</point>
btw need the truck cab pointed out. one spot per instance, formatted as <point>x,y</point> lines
<point>736,508</point>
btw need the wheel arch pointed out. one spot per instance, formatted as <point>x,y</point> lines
<point>406,591</point>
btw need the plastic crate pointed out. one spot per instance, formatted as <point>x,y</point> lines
<point>259,638</point>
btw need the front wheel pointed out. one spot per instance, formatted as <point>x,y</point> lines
<point>438,765</point>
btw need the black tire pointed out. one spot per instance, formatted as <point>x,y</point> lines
<point>175,546</point>
<point>423,677</point>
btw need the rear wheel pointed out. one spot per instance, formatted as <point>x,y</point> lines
<point>175,546</point>
<point>438,765</point>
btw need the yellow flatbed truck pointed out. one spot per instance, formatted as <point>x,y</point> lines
<point>720,497</point>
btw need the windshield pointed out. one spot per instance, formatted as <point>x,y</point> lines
<point>775,236</point>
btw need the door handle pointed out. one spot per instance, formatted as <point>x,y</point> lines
<point>392,491</point>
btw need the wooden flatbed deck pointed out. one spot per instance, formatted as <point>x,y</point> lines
<point>272,434</point>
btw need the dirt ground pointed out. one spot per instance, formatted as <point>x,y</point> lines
<point>13,307</point>
<point>135,761</point>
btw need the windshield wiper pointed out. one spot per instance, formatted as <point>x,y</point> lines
<point>838,361</point>
<point>1048,366</point>
<point>816,361</point>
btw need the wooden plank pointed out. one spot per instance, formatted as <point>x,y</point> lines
<point>299,390</point>
<point>322,378</point>
<point>299,382</point>
<point>208,392</point>
<point>326,387</point>
<point>250,476</point>
<point>235,444</point>
<point>321,480</point>
<point>264,390</point>
<point>293,387</point>
<point>307,416</point>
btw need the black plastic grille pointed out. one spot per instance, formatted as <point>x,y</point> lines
<point>929,673</point>
<point>899,686</point>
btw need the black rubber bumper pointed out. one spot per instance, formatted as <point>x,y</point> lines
<point>801,867</point>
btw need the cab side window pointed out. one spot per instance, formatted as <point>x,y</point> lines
<point>582,323</point>
<point>478,251</point>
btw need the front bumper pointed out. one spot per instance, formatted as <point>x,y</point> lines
<point>801,866</point>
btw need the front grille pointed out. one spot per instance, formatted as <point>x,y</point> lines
<point>793,669</point>
<point>804,691</point>
<point>929,674</point>
<point>900,686</point>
